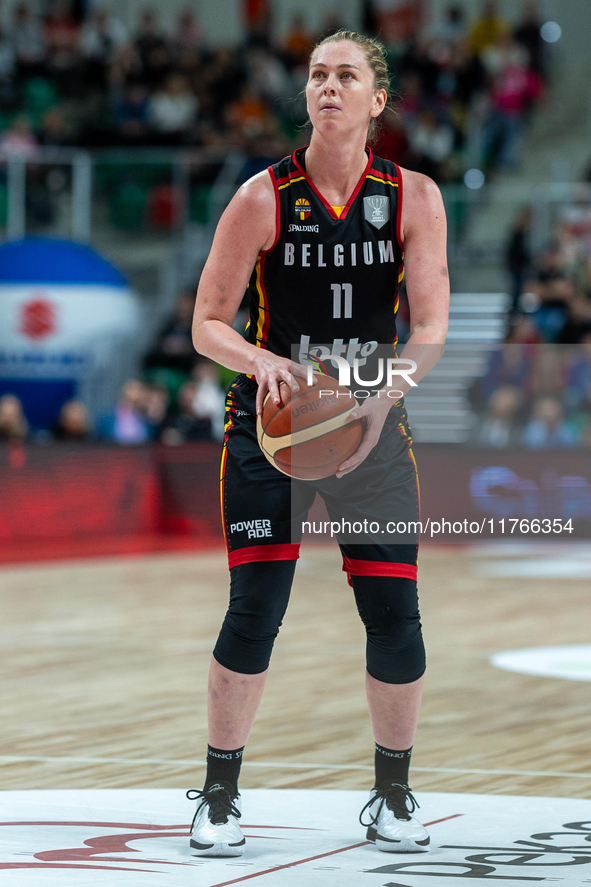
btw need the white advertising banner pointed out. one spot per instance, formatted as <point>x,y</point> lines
<point>49,330</point>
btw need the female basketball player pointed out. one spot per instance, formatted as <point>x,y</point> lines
<point>318,240</point>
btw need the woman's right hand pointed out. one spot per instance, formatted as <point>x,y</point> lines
<point>270,371</point>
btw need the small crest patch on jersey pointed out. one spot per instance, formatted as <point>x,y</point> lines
<point>376,210</point>
<point>302,208</point>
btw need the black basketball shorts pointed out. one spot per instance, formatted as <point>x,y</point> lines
<point>263,510</point>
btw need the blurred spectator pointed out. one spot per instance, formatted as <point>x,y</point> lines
<point>578,381</point>
<point>173,109</point>
<point>331,23</point>
<point>261,149</point>
<point>523,331</point>
<point>152,50</point>
<point>499,54</point>
<point>101,36</point>
<point>585,435</point>
<point>551,270</point>
<point>431,143</point>
<point>131,114</point>
<point>452,29</point>
<point>7,56</point>
<point>509,367</point>
<point>519,256</point>
<point>149,36</point>
<point>28,40</point>
<point>55,128</point>
<point>548,371</point>
<point>200,408</point>
<point>73,423</point>
<point>62,34</point>
<point>461,83</point>
<point>18,138</point>
<point>515,88</point>
<point>127,423</point>
<point>420,61</point>
<point>488,28</point>
<point>412,99</point>
<point>268,75</point>
<point>222,79</point>
<point>298,42</point>
<point>249,114</point>
<point>209,399</point>
<point>498,428</point>
<point>174,345</point>
<point>61,29</point>
<point>186,425</point>
<point>547,427</point>
<point>391,141</point>
<point>155,408</point>
<point>370,19</point>
<point>187,36</point>
<point>257,15</point>
<point>528,33</point>
<point>577,325</point>
<point>173,356</point>
<point>554,290</point>
<point>13,425</point>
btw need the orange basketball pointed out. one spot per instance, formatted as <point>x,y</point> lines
<point>311,432</point>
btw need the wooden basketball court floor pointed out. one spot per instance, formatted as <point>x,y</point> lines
<point>103,668</point>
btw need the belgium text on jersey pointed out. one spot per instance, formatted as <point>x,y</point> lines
<point>337,256</point>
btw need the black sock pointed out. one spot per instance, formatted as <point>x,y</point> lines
<point>223,766</point>
<point>392,766</point>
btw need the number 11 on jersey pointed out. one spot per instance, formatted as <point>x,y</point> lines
<point>338,291</point>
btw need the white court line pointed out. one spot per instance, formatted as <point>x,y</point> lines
<point>15,759</point>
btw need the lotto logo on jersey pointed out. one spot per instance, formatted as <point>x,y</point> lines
<point>302,208</point>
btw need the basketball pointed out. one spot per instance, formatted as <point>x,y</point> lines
<point>311,432</point>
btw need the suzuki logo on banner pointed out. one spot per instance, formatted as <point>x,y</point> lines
<point>37,318</point>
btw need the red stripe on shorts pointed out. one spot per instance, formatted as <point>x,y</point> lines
<point>254,553</point>
<point>379,568</point>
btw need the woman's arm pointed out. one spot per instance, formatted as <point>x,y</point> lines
<point>246,227</point>
<point>424,233</point>
<point>424,236</point>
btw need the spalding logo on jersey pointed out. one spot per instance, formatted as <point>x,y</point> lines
<point>302,208</point>
<point>376,210</point>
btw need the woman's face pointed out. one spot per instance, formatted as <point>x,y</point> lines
<point>340,92</point>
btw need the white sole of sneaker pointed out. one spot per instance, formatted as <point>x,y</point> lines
<point>407,845</point>
<point>220,849</point>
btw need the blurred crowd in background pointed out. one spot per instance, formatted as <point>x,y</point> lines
<point>535,396</point>
<point>464,88</point>
<point>179,397</point>
<point>537,391</point>
<point>463,93</point>
<point>551,290</point>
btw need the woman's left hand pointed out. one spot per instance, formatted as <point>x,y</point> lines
<point>374,412</point>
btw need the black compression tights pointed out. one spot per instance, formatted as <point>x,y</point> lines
<point>259,594</point>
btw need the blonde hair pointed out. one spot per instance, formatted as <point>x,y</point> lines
<point>375,53</point>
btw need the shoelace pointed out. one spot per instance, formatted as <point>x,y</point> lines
<point>220,804</point>
<point>395,797</point>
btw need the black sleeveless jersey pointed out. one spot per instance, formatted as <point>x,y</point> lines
<point>329,283</point>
